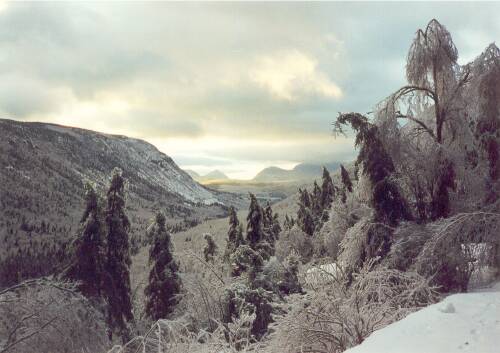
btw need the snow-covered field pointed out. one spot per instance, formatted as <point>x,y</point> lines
<point>468,322</point>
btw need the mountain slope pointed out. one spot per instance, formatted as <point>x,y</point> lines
<point>43,166</point>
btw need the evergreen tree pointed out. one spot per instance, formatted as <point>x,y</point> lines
<point>346,179</point>
<point>305,219</point>
<point>118,258</point>
<point>316,201</point>
<point>88,248</point>
<point>272,226</point>
<point>164,282</point>
<point>288,223</point>
<point>346,183</point>
<point>255,221</point>
<point>234,234</point>
<point>327,190</point>
<point>390,206</point>
<point>210,248</point>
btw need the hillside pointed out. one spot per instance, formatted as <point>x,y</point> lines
<point>43,167</point>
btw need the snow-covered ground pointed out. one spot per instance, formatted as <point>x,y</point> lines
<point>468,322</point>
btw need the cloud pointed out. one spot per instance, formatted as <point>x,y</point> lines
<point>291,75</point>
<point>233,83</point>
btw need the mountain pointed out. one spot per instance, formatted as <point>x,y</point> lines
<point>43,167</point>
<point>192,174</point>
<point>215,175</point>
<point>212,176</point>
<point>300,173</point>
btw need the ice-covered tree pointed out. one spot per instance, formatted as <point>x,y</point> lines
<point>305,218</point>
<point>434,78</point>
<point>255,221</point>
<point>346,183</point>
<point>234,234</point>
<point>164,282</point>
<point>210,249</point>
<point>117,281</point>
<point>87,250</point>
<point>327,190</point>
<point>387,200</point>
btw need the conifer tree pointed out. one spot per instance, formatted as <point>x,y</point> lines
<point>254,223</point>
<point>118,261</point>
<point>305,218</point>
<point>316,200</point>
<point>234,234</point>
<point>346,183</point>
<point>346,179</point>
<point>388,202</point>
<point>88,248</point>
<point>210,248</point>
<point>164,282</point>
<point>327,190</point>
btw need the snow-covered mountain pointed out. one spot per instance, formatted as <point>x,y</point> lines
<point>43,167</point>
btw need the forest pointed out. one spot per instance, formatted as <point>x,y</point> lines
<point>415,218</point>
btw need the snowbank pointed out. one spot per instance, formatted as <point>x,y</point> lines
<point>468,322</point>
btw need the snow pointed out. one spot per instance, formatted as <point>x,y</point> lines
<point>468,322</point>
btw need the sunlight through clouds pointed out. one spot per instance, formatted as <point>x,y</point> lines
<point>293,74</point>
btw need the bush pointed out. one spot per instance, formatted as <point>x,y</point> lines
<point>48,316</point>
<point>294,241</point>
<point>338,316</point>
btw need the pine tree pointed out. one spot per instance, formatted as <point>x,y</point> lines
<point>88,248</point>
<point>305,219</point>
<point>388,202</point>
<point>254,223</point>
<point>316,201</point>
<point>346,183</point>
<point>210,248</point>
<point>164,282</point>
<point>272,227</point>
<point>346,179</point>
<point>327,190</point>
<point>234,234</point>
<point>118,258</point>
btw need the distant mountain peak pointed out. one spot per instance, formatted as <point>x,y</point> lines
<point>301,172</point>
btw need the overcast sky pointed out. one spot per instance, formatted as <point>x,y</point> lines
<point>227,86</point>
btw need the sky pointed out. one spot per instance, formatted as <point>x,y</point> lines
<point>229,86</point>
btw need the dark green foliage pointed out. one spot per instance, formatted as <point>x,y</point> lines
<point>346,180</point>
<point>245,259</point>
<point>288,223</point>
<point>316,200</point>
<point>391,206</point>
<point>377,165</point>
<point>164,282</point>
<point>281,278</point>
<point>346,183</point>
<point>305,218</point>
<point>254,223</point>
<point>239,298</point>
<point>210,248</point>
<point>440,207</point>
<point>87,250</point>
<point>327,190</point>
<point>272,227</point>
<point>118,258</point>
<point>234,234</point>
